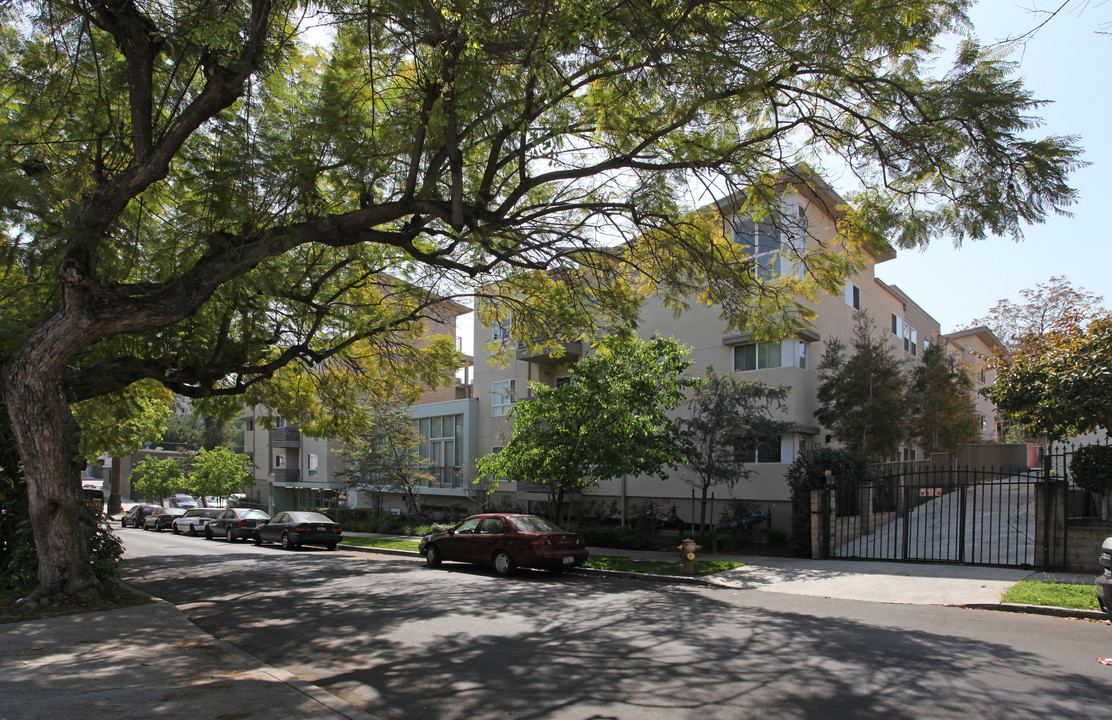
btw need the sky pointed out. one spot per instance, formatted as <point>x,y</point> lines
<point>1068,63</point>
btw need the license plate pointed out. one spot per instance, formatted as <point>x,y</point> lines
<point>321,528</point>
<point>569,560</point>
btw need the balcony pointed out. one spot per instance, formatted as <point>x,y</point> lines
<point>570,353</point>
<point>286,475</point>
<point>285,437</point>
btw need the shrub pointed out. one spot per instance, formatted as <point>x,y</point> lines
<point>808,473</point>
<point>1091,468</point>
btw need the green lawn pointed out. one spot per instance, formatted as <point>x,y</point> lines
<point>383,543</point>
<point>657,567</point>
<point>1035,592</point>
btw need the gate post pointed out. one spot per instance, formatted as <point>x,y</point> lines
<point>1050,522</point>
<point>820,521</point>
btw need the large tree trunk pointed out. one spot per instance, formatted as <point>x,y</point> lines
<point>46,436</point>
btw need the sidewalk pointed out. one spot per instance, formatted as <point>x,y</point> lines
<point>907,583</point>
<point>141,662</point>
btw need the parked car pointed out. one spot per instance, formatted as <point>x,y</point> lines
<point>182,500</point>
<point>136,514</point>
<point>161,518</point>
<point>235,524</point>
<point>506,542</point>
<point>195,520</point>
<point>294,529</point>
<point>1104,582</point>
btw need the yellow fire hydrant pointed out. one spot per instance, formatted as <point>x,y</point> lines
<point>687,555</point>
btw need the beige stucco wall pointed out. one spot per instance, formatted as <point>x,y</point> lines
<point>707,334</point>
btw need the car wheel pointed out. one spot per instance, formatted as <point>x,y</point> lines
<point>230,536</point>
<point>432,556</point>
<point>208,534</point>
<point>257,538</point>
<point>330,546</point>
<point>193,530</point>
<point>174,529</point>
<point>286,544</point>
<point>504,563</point>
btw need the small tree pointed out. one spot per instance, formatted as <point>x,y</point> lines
<point>1057,384</point>
<point>219,472</point>
<point>1050,306</point>
<point>861,397</point>
<point>1091,469</point>
<point>610,420</point>
<point>726,412</point>
<point>385,452</point>
<point>158,478</point>
<point>942,414</point>
<point>807,473</point>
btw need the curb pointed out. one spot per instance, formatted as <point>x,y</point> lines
<point>1050,610</point>
<point>328,700</point>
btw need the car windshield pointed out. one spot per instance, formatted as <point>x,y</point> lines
<point>258,514</point>
<point>532,523</point>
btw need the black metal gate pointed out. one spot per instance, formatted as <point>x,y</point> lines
<point>977,517</point>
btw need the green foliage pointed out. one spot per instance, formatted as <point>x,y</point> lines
<point>1060,383</point>
<point>610,420</point>
<point>158,478</point>
<point>723,412</point>
<point>610,536</point>
<point>120,423</point>
<point>861,397</point>
<point>807,473</point>
<point>385,453</point>
<point>942,414</point>
<point>1091,468</point>
<point>219,472</point>
<point>195,431</point>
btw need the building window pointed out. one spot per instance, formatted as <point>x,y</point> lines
<point>757,356</point>
<point>802,354</point>
<point>897,325</point>
<point>249,426</point>
<point>501,397</point>
<point>500,332</point>
<point>441,440</point>
<point>562,381</point>
<point>853,296</point>
<point>757,450</point>
<point>279,461</point>
<point>761,242</point>
<point>312,465</point>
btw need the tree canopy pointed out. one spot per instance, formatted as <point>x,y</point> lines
<point>941,409</point>
<point>1059,383</point>
<point>861,394</point>
<point>193,194</point>
<point>727,416</point>
<point>219,472</point>
<point>610,420</point>
<point>1049,306</point>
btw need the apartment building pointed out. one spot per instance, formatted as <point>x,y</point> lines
<point>294,470</point>
<point>789,361</point>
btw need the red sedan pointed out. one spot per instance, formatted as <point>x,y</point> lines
<point>506,542</point>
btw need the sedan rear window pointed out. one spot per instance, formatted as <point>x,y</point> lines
<point>531,523</point>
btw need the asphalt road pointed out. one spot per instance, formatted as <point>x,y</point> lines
<point>403,641</point>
